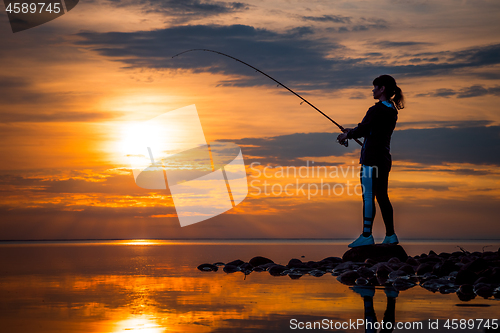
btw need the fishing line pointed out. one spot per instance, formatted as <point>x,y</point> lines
<point>281,84</point>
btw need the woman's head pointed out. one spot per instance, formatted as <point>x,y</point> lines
<point>391,90</point>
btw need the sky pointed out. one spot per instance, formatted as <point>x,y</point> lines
<point>71,86</point>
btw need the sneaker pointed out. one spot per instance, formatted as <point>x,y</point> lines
<point>362,240</point>
<point>391,239</point>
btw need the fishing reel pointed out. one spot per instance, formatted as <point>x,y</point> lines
<point>345,143</point>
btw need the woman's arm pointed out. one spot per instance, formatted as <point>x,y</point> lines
<point>364,127</point>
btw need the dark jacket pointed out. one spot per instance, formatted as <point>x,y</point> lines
<point>376,127</point>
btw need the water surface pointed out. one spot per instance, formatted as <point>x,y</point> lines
<point>154,286</point>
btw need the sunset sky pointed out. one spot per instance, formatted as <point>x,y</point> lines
<point>71,86</point>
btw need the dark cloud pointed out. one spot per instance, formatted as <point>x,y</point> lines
<point>473,91</point>
<point>15,117</point>
<point>475,145</point>
<point>392,44</point>
<point>293,56</point>
<point>444,123</point>
<point>328,18</point>
<point>287,150</point>
<point>467,92</point>
<point>430,146</point>
<point>185,10</point>
<point>423,186</point>
<point>442,92</point>
<point>103,184</point>
<point>15,90</point>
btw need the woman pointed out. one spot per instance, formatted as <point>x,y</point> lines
<point>377,127</point>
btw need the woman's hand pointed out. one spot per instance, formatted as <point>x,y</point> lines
<point>341,138</point>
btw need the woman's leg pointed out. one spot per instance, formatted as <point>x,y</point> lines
<point>380,189</point>
<point>368,182</point>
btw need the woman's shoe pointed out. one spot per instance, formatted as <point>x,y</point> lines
<point>393,239</point>
<point>362,241</point>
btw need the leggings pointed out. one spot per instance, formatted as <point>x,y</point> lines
<point>375,181</point>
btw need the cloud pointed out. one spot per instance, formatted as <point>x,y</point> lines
<point>430,146</point>
<point>291,56</point>
<point>15,117</point>
<point>185,10</point>
<point>466,92</point>
<point>15,90</point>
<point>328,18</point>
<point>473,91</point>
<point>475,145</point>
<point>404,44</point>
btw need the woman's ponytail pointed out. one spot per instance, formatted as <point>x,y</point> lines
<point>392,91</point>
<point>398,98</point>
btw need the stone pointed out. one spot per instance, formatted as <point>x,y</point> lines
<point>231,268</point>
<point>258,261</point>
<point>208,268</point>
<point>236,262</point>
<point>276,270</point>
<point>348,277</point>
<point>378,252</point>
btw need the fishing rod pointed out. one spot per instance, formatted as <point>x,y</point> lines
<point>281,84</point>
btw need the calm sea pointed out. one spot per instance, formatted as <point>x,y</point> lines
<point>152,286</point>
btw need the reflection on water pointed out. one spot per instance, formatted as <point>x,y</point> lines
<point>154,286</point>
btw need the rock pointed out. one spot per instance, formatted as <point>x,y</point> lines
<point>466,277</point>
<point>444,268</point>
<point>467,289</point>
<point>395,274</point>
<point>394,260</point>
<point>408,269</point>
<point>219,264</point>
<point>371,262</point>
<point>402,283</point>
<point>345,266</point>
<point>295,263</point>
<point>378,252</point>
<point>276,270</point>
<point>429,259</point>
<point>496,292</point>
<point>383,271</point>
<point>448,289</point>
<point>484,289</point>
<point>259,269</point>
<point>445,255</point>
<point>333,260</point>
<point>246,268</point>
<point>236,262</point>
<point>465,297</point>
<point>208,268</point>
<point>312,264</point>
<point>295,275</point>
<point>231,268</point>
<point>365,272</point>
<point>361,281</point>
<point>316,273</point>
<point>424,268</point>
<point>435,284</point>
<point>348,277</point>
<point>412,261</point>
<point>258,261</point>
<point>457,254</point>
<point>476,266</point>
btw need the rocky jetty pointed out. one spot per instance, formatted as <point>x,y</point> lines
<point>467,274</point>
